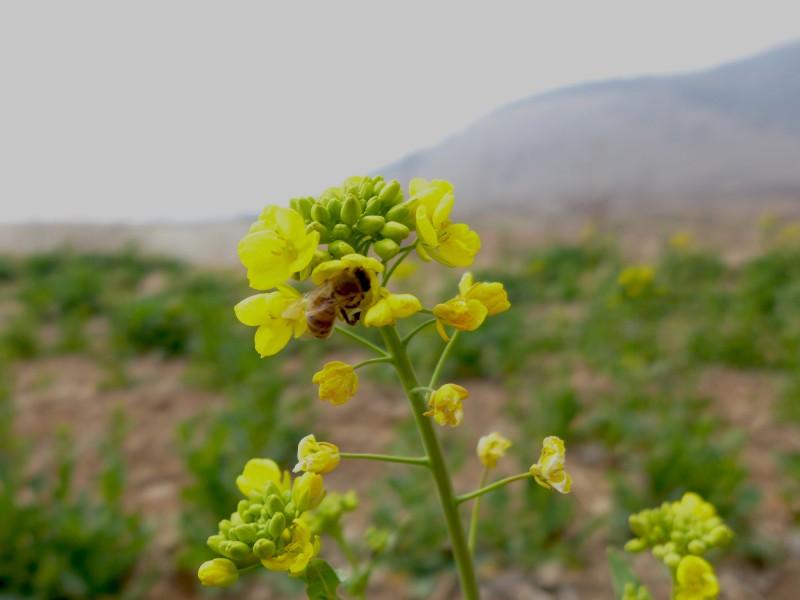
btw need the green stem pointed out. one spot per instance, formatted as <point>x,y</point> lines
<point>408,460</point>
<point>361,340</point>
<point>401,257</point>
<point>473,523</point>
<point>445,353</point>
<point>441,476</point>
<point>373,361</point>
<point>338,536</point>
<point>416,330</point>
<point>491,487</point>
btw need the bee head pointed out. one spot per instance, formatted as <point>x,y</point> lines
<point>363,279</point>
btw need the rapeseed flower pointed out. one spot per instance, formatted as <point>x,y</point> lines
<point>337,382</point>
<point>696,579</point>
<point>491,295</point>
<point>300,549</point>
<point>278,315</point>
<point>316,457</point>
<point>445,405</point>
<point>390,307</point>
<point>276,247</point>
<point>549,471</point>
<point>491,448</point>
<point>219,572</point>
<point>258,473</point>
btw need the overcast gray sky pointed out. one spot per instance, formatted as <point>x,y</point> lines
<point>191,110</point>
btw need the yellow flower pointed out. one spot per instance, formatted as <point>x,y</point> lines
<point>636,281</point>
<point>445,405</point>
<point>491,295</point>
<point>681,240</point>
<point>277,315</point>
<point>492,447</point>
<point>332,268</point>
<point>316,457</point>
<point>276,247</point>
<point>549,471</point>
<point>258,472</point>
<point>308,491</point>
<point>219,572</point>
<point>462,313</point>
<point>696,579</point>
<point>453,245</point>
<point>337,382</point>
<point>300,549</point>
<point>391,307</point>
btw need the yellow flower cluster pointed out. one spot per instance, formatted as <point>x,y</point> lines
<point>549,471</point>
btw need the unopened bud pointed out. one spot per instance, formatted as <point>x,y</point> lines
<point>320,214</point>
<point>235,550</point>
<point>274,504</point>
<point>370,224</point>
<point>396,231</point>
<point>635,545</point>
<point>290,511</point>
<point>304,207</point>
<point>351,211</point>
<point>398,213</point>
<point>276,525</point>
<point>365,189</point>
<point>390,195</point>
<point>340,248</point>
<point>386,248</point>
<point>341,231</point>
<point>324,234</point>
<point>219,572</point>
<point>264,549</point>
<point>697,547</point>
<point>672,559</point>
<point>243,508</point>
<point>214,541</point>
<point>334,209</point>
<point>244,533</point>
<point>373,206</point>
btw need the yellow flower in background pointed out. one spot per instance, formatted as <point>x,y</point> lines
<point>445,405</point>
<point>219,572</point>
<point>636,281</point>
<point>461,313</point>
<point>258,472</point>
<point>278,315</point>
<point>337,382</point>
<point>297,553</point>
<point>492,295</point>
<point>681,240</point>
<point>492,447</point>
<point>276,247</point>
<point>549,471</point>
<point>453,245</point>
<point>316,457</point>
<point>391,307</point>
<point>332,268</point>
<point>696,579</point>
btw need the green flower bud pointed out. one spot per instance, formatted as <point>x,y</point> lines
<point>370,224</point>
<point>672,559</point>
<point>244,533</point>
<point>376,539</point>
<point>719,536</point>
<point>274,504</point>
<point>365,189</point>
<point>214,541</point>
<point>341,232</point>
<point>390,195</point>
<point>335,209</point>
<point>398,213</point>
<point>659,551</point>
<point>377,185</point>
<point>697,547</point>
<point>351,211</point>
<point>224,526</point>
<point>264,549</point>
<point>386,248</point>
<point>635,545</point>
<point>219,572</point>
<point>373,206</point>
<point>340,248</point>
<point>320,214</point>
<point>255,496</point>
<point>395,231</point>
<point>242,508</point>
<point>271,489</point>
<point>276,525</point>
<point>235,550</point>
<point>324,234</point>
<point>290,511</point>
<point>304,207</point>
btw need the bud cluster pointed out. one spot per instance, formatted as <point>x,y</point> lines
<point>690,526</point>
<point>268,527</point>
<point>363,212</point>
<point>633,592</point>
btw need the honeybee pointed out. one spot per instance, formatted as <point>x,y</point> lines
<point>339,296</point>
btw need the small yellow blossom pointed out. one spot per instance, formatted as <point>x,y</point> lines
<point>681,240</point>
<point>636,281</point>
<point>258,472</point>
<point>549,471</point>
<point>696,579</point>
<point>316,457</point>
<point>330,269</point>
<point>219,572</point>
<point>277,315</point>
<point>391,307</point>
<point>453,245</point>
<point>491,295</point>
<point>337,382</point>
<point>308,491</point>
<point>492,447</point>
<point>298,551</point>
<point>461,313</point>
<point>445,405</point>
<point>276,247</point>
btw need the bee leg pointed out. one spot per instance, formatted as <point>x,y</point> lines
<point>350,319</point>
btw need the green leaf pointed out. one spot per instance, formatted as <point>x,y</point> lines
<point>621,573</point>
<point>322,581</point>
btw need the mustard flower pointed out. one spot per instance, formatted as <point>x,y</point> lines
<point>445,405</point>
<point>549,471</point>
<point>696,580</point>
<point>462,313</point>
<point>453,245</point>
<point>636,281</point>
<point>337,382</point>
<point>491,448</point>
<point>219,572</point>
<point>390,307</point>
<point>316,457</point>
<point>308,491</point>
<point>276,247</point>
<point>301,548</point>
<point>332,268</point>
<point>491,295</point>
<point>278,315</point>
<point>258,472</point>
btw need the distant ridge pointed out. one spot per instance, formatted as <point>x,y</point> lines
<point>729,133</point>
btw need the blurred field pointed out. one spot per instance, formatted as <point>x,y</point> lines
<point>688,379</point>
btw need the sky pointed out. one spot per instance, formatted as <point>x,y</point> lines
<point>191,111</point>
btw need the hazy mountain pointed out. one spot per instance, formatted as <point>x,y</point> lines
<point>730,132</point>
